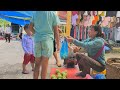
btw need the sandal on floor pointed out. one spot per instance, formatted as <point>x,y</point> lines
<point>25,72</point>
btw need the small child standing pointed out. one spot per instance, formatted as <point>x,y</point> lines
<point>28,47</point>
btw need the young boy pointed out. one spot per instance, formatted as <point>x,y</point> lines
<point>27,44</point>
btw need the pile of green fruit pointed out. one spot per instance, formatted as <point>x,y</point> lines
<point>59,75</point>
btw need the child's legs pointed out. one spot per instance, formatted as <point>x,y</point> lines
<point>32,61</point>
<point>26,61</point>
<point>32,65</point>
<point>47,52</point>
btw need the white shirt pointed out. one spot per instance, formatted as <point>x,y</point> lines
<point>8,30</point>
<point>74,18</point>
<point>118,34</point>
<point>118,14</point>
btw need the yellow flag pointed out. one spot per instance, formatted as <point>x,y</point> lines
<point>68,25</point>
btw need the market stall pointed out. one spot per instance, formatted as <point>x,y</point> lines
<point>17,17</point>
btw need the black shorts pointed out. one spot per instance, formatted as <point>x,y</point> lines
<point>54,46</point>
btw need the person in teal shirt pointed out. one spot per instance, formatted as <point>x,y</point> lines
<point>94,46</point>
<point>44,25</point>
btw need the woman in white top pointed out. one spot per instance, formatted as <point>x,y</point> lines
<point>118,33</point>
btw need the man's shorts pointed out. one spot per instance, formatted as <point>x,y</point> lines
<point>44,48</point>
<point>28,58</point>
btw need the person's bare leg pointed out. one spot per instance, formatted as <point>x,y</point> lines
<point>44,67</point>
<point>32,65</point>
<point>37,68</point>
<point>9,38</point>
<point>24,67</point>
<point>5,37</point>
<point>56,58</point>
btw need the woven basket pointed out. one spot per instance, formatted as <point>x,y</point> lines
<point>113,68</point>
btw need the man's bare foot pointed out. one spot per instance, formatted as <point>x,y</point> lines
<point>58,64</point>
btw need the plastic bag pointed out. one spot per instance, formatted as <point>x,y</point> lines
<point>100,76</point>
<point>107,48</point>
<point>64,49</point>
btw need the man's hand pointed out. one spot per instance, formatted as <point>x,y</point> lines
<point>76,49</point>
<point>69,39</point>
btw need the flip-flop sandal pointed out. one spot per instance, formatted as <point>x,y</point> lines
<point>25,72</point>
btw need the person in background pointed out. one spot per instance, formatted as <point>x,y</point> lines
<point>1,31</point>
<point>20,35</point>
<point>28,47</point>
<point>95,49</point>
<point>8,33</point>
<point>118,33</point>
<point>44,25</point>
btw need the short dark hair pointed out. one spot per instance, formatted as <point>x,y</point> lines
<point>26,26</point>
<point>98,29</point>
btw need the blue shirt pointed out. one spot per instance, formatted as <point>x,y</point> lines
<point>43,24</point>
<point>28,44</point>
<point>93,46</point>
